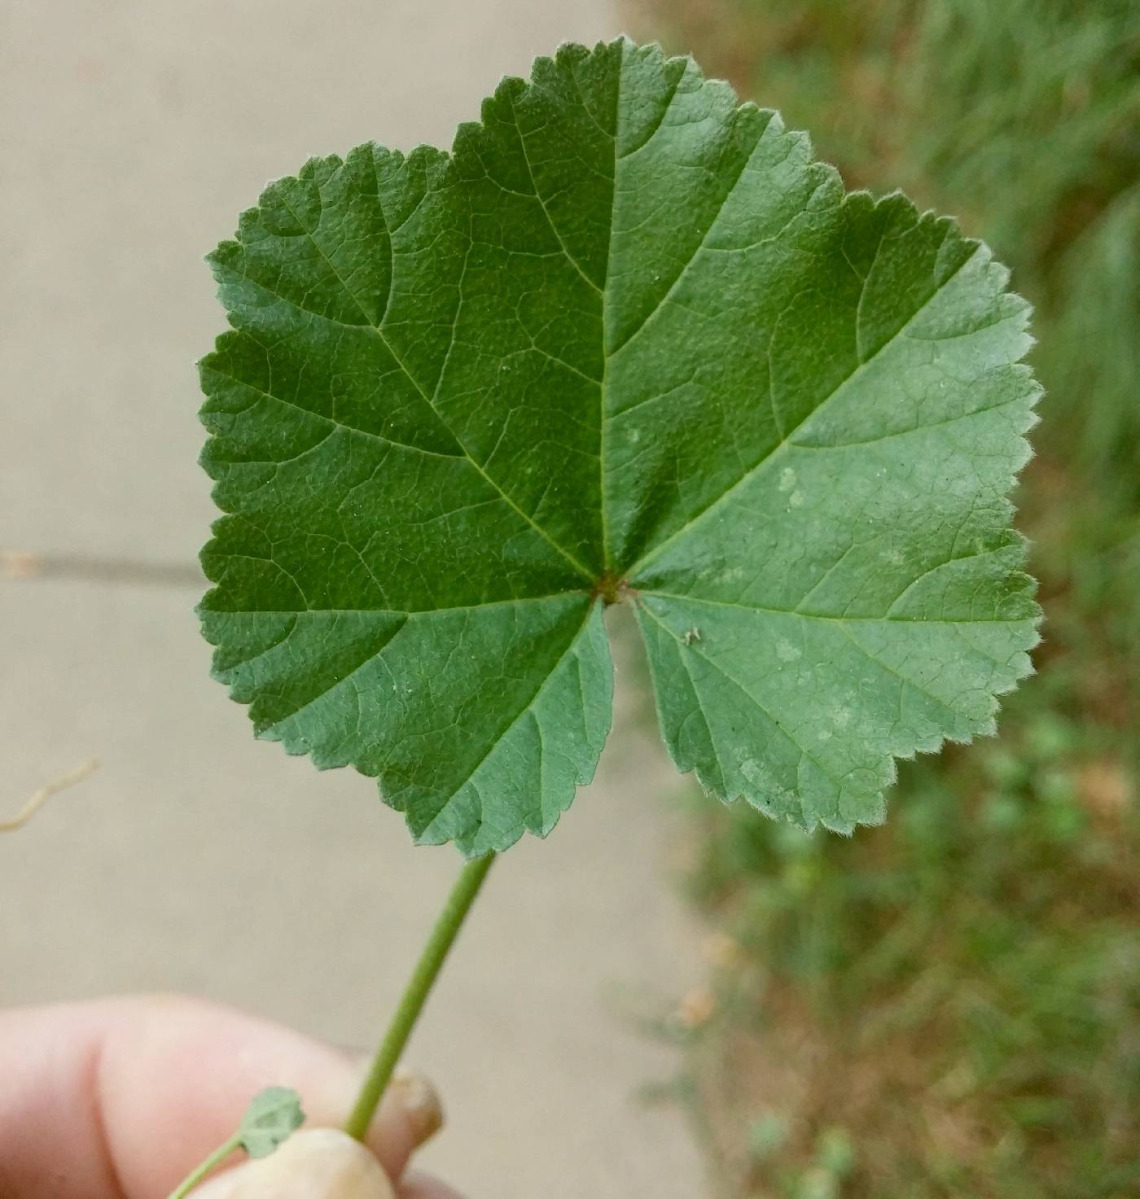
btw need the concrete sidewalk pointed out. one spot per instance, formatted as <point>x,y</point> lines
<point>197,858</point>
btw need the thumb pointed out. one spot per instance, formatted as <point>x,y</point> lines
<point>124,1097</point>
<point>318,1163</point>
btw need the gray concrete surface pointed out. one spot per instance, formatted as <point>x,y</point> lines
<point>197,858</point>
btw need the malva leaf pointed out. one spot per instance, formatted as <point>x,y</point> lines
<point>272,1117</point>
<point>627,341</point>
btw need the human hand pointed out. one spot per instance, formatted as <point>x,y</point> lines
<point>121,1098</point>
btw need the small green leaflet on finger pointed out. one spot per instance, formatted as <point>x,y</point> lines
<point>271,1118</point>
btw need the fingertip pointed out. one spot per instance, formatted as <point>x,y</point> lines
<point>410,1114</point>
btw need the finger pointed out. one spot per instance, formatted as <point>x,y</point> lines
<point>123,1097</point>
<point>319,1163</point>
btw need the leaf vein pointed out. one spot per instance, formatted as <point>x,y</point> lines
<point>416,384</point>
<point>785,440</point>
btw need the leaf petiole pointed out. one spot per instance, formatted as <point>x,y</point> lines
<point>201,1172</point>
<point>446,929</point>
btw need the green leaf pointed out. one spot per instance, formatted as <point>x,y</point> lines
<point>272,1117</point>
<point>627,341</point>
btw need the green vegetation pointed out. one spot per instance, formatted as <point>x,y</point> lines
<point>947,1006</point>
<point>627,341</point>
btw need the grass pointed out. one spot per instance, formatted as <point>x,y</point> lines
<point>948,1005</point>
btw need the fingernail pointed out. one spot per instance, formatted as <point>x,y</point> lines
<point>420,1103</point>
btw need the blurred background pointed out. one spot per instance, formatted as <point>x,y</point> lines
<point>669,999</point>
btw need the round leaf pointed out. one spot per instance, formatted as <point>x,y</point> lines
<point>626,341</point>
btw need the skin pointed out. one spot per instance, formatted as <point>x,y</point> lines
<point>121,1098</point>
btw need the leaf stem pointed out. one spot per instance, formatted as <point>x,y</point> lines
<point>447,926</point>
<point>207,1167</point>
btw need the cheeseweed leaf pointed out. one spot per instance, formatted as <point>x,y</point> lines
<point>626,341</point>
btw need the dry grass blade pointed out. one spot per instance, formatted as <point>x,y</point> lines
<point>46,792</point>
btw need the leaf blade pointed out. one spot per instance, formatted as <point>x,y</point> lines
<point>627,338</point>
